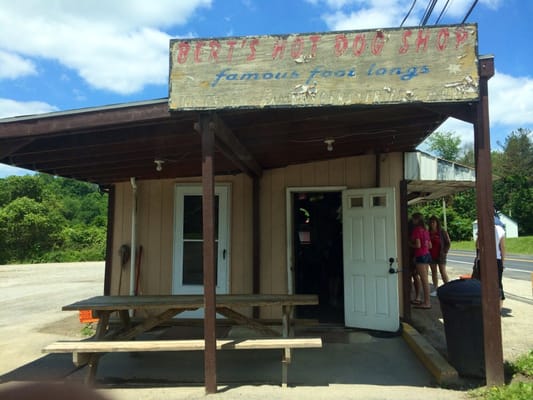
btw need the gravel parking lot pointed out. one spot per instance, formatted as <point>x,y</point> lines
<point>30,306</point>
<point>31,318</point>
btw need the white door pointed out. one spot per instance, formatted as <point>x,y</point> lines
<point>188,240</point>
<point>369,240</point>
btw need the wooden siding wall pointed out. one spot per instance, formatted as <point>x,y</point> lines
<point>155,220</point>
<point>155,233</point>
<point>353,172</point>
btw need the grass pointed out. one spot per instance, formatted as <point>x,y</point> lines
<point>519,245</point>
<point>524,365</point>
<point>521,386</point>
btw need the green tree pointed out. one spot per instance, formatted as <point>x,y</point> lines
<point>28,229</point>
<point>14,187</point>
<point>445,145</point>
<point>517,155</point>
<point>513,191</point>
<point>459,226</point>
<point>46,218</point>
<point>467,156</point>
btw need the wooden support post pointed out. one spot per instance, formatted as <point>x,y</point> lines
<point>209,259</point>
<point>490,296</point>
<point>109,240</point>
<point>406,259</point>
<point>256,274</point>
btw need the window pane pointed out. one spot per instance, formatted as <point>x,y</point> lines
<point>356,202</point>
<point>192,217</point>
<point>379,201</point>
<point>193,269</point>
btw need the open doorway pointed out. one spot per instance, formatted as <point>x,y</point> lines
<point>318,257</point>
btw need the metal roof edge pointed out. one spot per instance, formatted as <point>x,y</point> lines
<point>83,110</point>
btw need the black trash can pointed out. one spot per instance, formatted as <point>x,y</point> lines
<point>460,302</point>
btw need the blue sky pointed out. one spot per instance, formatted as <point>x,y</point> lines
<point>63,54</point>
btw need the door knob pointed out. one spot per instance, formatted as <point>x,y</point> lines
<point>391,269</point>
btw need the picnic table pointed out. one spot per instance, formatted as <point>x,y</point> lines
<point>162,308</point>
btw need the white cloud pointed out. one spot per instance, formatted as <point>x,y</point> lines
<point>10,108</point>
<point>362,19</point>
<point>511,100</point>
<point>510,108</point>
<point>368,14</point>
<point>113,45</point>
<point>359,14</point>
<point>14,66</point>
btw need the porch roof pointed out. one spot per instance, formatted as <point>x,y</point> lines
<point>110,144</point>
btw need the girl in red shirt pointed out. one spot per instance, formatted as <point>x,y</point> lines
<point>440,245</point>
<point>421,244</point>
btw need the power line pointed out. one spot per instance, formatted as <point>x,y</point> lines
<point>408,13</point>
<point>429,12</point>
<point>424,15</point>
<point>469,11</point>
<point>442,12</point>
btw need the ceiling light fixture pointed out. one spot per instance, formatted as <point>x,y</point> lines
<point>329,143</point>
<point>159,165</point>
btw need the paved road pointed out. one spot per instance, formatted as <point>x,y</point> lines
<point>31,300</point>
<point>516,266</point>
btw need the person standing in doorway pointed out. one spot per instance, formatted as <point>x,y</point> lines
<point>421,244</point>
<point>440,245</point>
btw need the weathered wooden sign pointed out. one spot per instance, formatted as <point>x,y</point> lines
<point>426,64</point>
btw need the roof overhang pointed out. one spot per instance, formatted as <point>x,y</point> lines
<point>110,144</point>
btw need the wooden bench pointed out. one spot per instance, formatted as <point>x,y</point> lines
<point>85,351</point>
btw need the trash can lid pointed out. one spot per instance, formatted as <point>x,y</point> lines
<point>461,291</point>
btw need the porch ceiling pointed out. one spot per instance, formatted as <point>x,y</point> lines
<point>113,143</point>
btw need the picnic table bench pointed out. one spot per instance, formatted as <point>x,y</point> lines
<point>165,307</point>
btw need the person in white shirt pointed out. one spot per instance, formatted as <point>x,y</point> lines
<point>500,256</point>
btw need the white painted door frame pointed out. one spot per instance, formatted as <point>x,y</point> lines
<point>223,193</point>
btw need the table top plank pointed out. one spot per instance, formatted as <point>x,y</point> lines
<point>116,303</point>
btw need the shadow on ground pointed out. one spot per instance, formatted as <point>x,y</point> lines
<point>347,357</point>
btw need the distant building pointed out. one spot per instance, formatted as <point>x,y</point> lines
<point>510,226</point>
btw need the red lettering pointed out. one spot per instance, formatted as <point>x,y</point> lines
<point>314,39</point>
<point>422,40</point>
<point>461,35</point>
<point>405,44</point>
<point>377,43</point>
<point>215,48</point>
<point>442,39</point>
<point>359,44</point>
<point>198,51</point>
<point>297,47</point>
<point>253,50</point>
<point>231,44</point>
<point>341,44</point>
<point>279,49</point>
<point>183,52</point>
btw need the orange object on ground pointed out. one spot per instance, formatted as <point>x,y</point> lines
<point>467,276</point>
<point>86,316</point>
